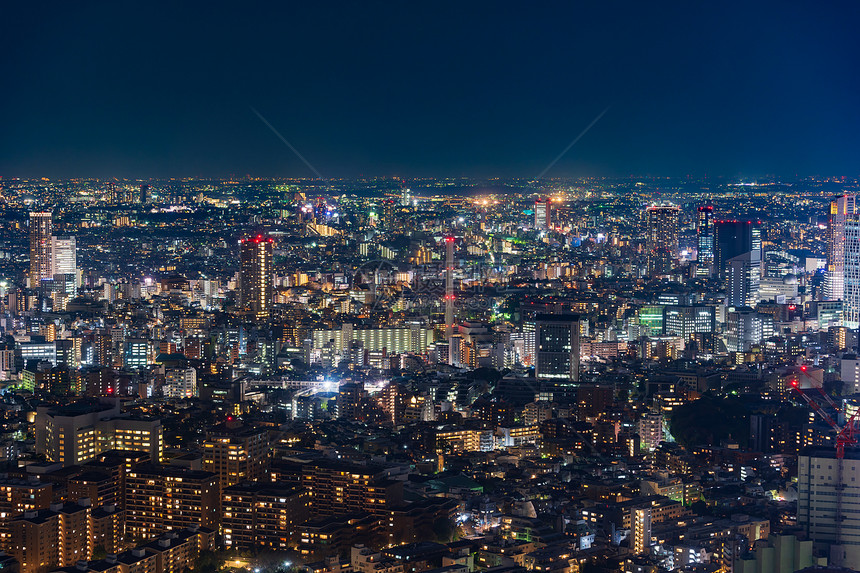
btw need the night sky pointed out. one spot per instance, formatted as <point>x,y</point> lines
<point>163,89</point>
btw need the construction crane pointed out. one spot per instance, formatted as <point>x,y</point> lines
<point>845,436</point>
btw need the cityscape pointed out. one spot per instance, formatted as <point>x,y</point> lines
<point>457,375</point>
<point>407,288</point>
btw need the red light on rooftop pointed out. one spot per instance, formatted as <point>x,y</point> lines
<point>794,383</point>
<point>803,368</point>
<point>449,239</point>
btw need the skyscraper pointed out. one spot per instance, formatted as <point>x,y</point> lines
<point>851,272</point>
<point>743,279</point>
<point>733,238</point>
<point>841,208</point>
<point>557,347</point>
<point>255,275</point>
<point>64,258</point>
<point>41,227</point>
<point>705,240</point>
<point>662,237</point>
<point>543,213</point>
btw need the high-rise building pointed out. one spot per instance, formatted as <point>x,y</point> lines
<point>745,327</point>
<point>743,278</point>
<point>41,227</point>
<point>161,498</point>
<point>705,240</point>
<point>181,383</point>
<point>43,539</point>
<point>662,237</point>
<point>827,490</point>
<point>640,519</point>
<point>557,347</point>
<point>136,353</point>
<point>255,278</point>
<point>851,272</point>
<point>734,238</point>
<point>686,321</point>
<point>650,428</point>
<point>263,515</point>
<point>543,213</point>
<point>236,453</point>
<point>841,209</point>
<point>74,434</point>
<point>349,401</point>
<point>64,258</point>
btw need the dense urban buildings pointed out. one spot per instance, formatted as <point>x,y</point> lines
<point>453,380</point>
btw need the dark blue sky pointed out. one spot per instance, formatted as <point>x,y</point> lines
<point>155,89</point>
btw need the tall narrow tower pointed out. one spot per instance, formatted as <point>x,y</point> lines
<point>705,240</point>
<point>255,277</point>
<point>842,208</point>
<point>662,238</point>
<point>449,296</point>
<point>41,227</point>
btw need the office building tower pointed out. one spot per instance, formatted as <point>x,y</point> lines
<point>41,227</point>
<point>255,275</point>
<point>543,213</point>
<point>851,272</point>
<point>136,354</point>
<point>557,347</point>
<point>662,238</point>
<point>236,453</point>
<point>64,258</point>
<point>735,238</point>
<point>686,321</point>
<point>827,490</point>
<point>705,240</point>
<point>163,498</point>
<point>745,328</point>
<point>743,278</point>
<point>841,209</point>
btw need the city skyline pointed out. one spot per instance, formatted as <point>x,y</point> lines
<point>484,287</point>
